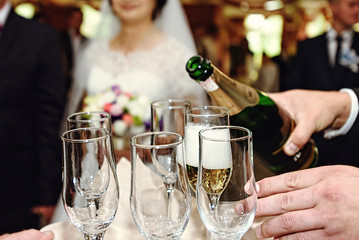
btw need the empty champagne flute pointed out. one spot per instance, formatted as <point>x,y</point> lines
<point>226,181</point>
<point>90,190</point>
<point>169,115</point>
<point>97,119</point>
<point>160,198</point>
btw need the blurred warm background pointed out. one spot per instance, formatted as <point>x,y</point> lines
<point>237,35</point>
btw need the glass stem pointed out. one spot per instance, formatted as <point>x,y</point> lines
<point>94,236</point>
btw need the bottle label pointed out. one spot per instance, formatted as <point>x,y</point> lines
<point>209,85</point>
<point>240,92</point>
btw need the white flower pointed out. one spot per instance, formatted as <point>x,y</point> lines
<point>105,97</point>
<point>137,129</point>
<point>91,108</point>
<point>123,100</point>
<point>136,109</point>
<point>119,127</point>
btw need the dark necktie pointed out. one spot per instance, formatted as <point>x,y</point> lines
<point>339,47</point>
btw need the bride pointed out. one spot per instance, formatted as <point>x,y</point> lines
<point>143,47</point>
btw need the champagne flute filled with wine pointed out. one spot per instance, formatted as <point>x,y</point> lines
<point>226,181</point>
<point>198,118</point>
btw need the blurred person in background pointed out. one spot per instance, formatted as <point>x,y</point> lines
<point>241,58</point>
<point>32,96</point>
<point>330,62</point>
<point>71,41</point>
<point>268,75</point>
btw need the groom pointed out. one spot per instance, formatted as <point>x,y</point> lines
<point>328,62</point>
<point>32,96</point>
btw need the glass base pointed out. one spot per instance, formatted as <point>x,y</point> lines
<point>94,237</point>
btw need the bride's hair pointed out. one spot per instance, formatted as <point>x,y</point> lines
<point>158,8</point>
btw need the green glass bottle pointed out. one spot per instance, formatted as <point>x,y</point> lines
<point>253,109</point>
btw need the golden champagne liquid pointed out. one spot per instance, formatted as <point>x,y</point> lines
<point>192,176</point>
<point>215,181</point>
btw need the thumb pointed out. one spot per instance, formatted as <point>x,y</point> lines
<point>47,235</point>
<point>298,138</point>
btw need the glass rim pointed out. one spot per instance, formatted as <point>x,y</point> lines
<point>243,129</point>
<point>94,139</point>
<point>157,146</point>
<point>171,100</point>
<point>70,119</point>
<point>226,111</point>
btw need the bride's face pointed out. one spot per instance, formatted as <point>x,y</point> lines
<point>131,11</point>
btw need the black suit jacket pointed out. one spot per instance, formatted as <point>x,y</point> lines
<point>311,70</point>
<point>32,97</point>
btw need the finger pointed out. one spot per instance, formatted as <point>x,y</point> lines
<point>246,206</point>
<point>30,234</point>
<point>285,202</point>
<point>47,235</point>
<point>291,181</point>
<point>300,136</point>
<point>4,236</point>
<point>289,223</point>
<point>318,234</point>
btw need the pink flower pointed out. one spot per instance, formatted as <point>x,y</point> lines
<point>107,107</point>
<point>116,110</point>
<point>127,118</point>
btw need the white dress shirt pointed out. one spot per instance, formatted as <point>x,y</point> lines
<point>332,133</point>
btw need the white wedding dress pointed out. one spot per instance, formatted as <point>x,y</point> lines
<point>158,73</point>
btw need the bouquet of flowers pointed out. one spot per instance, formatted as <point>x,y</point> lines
<point>130,114</point>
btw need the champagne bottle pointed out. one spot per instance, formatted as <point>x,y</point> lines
<point>253,109</point>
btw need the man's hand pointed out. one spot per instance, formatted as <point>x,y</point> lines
<point>312,111</point>
<point>30,234</point>
<point>318,203</point>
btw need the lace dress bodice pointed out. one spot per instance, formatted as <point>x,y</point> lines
<point>158,73</point>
